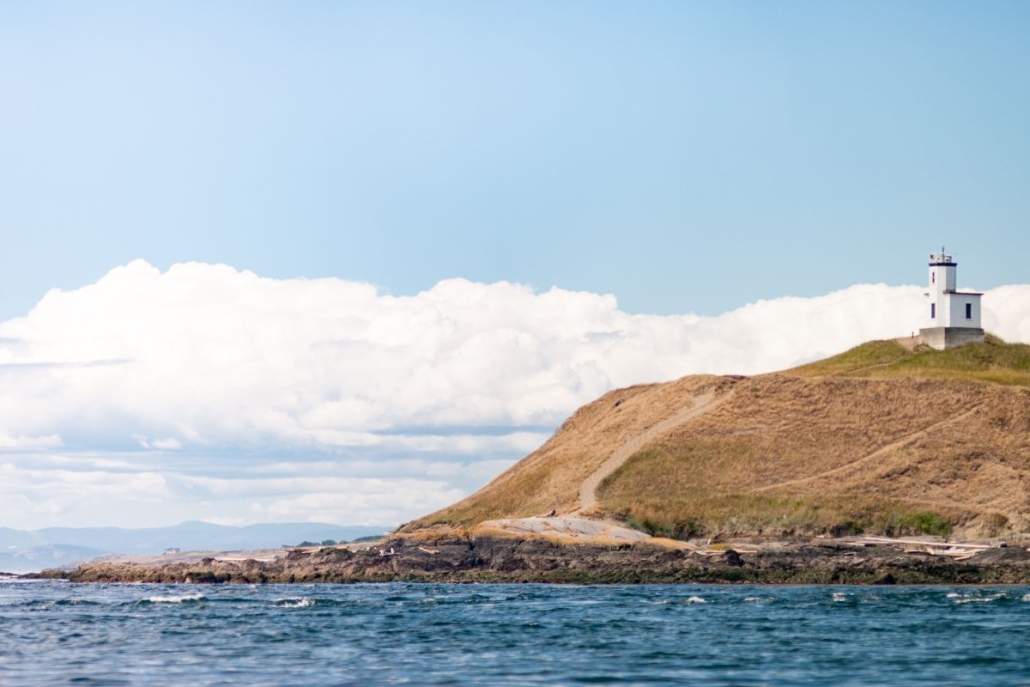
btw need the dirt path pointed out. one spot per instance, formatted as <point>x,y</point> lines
<point>845,374</point>
<point>872,456</point>
<point>700,405</point>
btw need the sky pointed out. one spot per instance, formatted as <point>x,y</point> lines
<point>344,262</point>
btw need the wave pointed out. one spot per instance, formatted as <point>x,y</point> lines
<point>294,602</point>
<point>175,598</point>
<point>976,598</point>
<point>52,603</point>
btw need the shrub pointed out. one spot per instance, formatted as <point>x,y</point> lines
<point>669,530</point>
<point>928,522</point>
<point>994,523</point>
<point>846,529</point>
<point>918,522</point>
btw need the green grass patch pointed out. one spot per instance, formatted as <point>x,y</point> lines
<point>992,361</point>
<point>872,353</point>
<point>894,523</point>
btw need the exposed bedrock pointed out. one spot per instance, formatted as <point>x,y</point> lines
<point>501,559</point>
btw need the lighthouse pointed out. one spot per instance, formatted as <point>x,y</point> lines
<point>952,316</point>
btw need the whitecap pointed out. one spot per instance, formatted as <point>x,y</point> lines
<point>173,599</point>
<point>980,599</point>
<point>840,596</point>
<point>295,602</point>
<point>695,600</point>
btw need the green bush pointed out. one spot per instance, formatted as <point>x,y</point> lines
<point>677,530</point>
<point>928,522</point>
<point>918,522</point>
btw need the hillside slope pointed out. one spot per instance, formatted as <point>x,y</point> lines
<point>877,439</point>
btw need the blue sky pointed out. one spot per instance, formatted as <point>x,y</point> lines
<point>346,261</point>
<point>684,156</point>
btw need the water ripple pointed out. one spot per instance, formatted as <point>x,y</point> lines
<point>511,634</point>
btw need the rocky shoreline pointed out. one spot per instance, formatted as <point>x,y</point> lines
<point>464,559</point>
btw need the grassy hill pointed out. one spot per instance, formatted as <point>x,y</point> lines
<point>992,361</point>
<point>877,439</point>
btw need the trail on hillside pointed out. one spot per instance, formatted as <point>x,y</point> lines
<point>700,405</point>
<point>845,373</point>
<point>869,457</point>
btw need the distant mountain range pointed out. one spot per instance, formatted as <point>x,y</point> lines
<point>36,558</point>
<point>27,551</point>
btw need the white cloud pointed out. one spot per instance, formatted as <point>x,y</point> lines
<point>1007,312</point>
<point>41,491</point>
<point>23,442</point>
<point>170,444</point>
<point>216,362</point>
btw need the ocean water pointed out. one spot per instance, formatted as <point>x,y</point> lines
<point>60,633</point>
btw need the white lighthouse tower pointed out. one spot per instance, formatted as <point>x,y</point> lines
<point>953,316</point>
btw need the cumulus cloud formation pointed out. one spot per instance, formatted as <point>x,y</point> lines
<point>207,360</point>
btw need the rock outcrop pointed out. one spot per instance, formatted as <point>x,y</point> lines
<point>535,559</point>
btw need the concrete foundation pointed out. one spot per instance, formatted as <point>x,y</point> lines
<point>950,337</point>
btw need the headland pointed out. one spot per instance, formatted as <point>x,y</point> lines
<point>892,462</point>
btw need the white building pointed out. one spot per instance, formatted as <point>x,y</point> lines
<point>953,316</point>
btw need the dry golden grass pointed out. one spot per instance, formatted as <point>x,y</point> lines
<point>485,530</point>
<point>815,455</point>
<point>550,477</point>
<point>879,439</point>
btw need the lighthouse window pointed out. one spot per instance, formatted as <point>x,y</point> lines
<point>969,311</point>
<point>933,277</point>
<point>933,310</point>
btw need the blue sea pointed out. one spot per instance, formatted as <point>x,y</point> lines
<point>121,634</point>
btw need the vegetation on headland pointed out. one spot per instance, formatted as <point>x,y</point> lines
<point>880,439</point>
<point>993,361</point>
